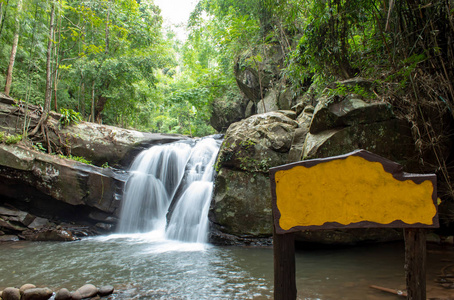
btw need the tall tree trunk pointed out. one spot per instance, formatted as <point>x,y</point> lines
<point>48,95</point>
<point>57,63</point>
<point>82,96</point>
<point>12,58</point>
<point>92,115</point>
<point>3,16</point>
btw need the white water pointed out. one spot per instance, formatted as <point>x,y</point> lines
<point>180,173</point>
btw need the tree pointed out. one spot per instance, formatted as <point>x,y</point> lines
<point>12,59</point>
<point>48,94</point>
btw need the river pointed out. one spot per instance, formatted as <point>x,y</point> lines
<point>148,266</point>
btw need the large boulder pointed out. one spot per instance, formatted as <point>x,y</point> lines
<point>226,110</point>
<point>56,188</point>
<point>257,69</point>
<point>258,143</point>
<point>242,201</point>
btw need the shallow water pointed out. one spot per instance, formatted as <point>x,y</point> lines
<point>147,266</point>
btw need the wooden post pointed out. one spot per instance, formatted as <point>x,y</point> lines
<point>415,263</point>
<point>284,266</point>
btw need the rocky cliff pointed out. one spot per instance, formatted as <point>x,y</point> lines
<point>77,197</point>
<point>339,123</point>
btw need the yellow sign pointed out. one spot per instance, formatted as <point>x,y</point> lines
<point>359,189</point>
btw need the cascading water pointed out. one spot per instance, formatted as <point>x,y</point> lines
<point>177,175</point>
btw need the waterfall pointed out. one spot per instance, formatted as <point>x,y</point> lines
<point>177,176</point>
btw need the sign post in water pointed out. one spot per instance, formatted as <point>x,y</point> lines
<point>355,190</point>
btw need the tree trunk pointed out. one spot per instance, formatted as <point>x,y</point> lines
<point>9,72</point>
<point>92,115</point>
<point>57,63</point>
<point>48,96</point>
<point>82,96</point>
<point>3,15</point>
<point>100,103</point>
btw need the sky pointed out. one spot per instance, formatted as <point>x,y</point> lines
<point>176,12</point>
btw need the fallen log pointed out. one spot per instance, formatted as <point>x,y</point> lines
<point>392,291</point>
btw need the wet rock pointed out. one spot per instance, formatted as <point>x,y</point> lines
<point>105,290</point>
<point>242,204</point>
<point>8,225</point>
<point>16,215</point>
<point>242,198</point>
<point>76,295</point>
<point>38,222</point>
<point>63,294</point>
<point>104,226</point>
<point>37,294</point>
<point>48,234</point>
<point>87,291</point>
<point>9,238</point>
<point>11,293</point>
<point>25,287</point>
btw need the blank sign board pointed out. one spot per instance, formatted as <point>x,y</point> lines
<point>356,190</point>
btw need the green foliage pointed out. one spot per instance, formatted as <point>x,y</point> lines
<point>39,147</point>
<point>69,116</point>
<point>12,139</point>
<point>76,158</point>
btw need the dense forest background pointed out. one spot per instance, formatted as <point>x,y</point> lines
<point>112,61</point>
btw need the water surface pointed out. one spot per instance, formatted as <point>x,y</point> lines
<point>147,266</point>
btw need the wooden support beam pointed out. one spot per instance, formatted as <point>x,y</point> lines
<point>415,263</point>
<point>284,266</point>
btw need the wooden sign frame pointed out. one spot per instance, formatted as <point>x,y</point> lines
<point>283,238</point>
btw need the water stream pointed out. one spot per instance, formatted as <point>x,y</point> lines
<point>177,176</point>
<point>147,266</point>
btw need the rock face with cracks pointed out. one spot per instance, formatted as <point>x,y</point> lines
<point>241,207</point>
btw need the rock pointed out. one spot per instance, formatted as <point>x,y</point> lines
<point>76,295</point>
<point>242,204</point>
<point>258,143</point>
<point>335,112</point>
<point>59,187</point>
<point>48,234</point>
<point>9,238</point>
<point>104,226</point>
<point>11,293</point>
<point>296,150</point>
<point>242,199</point>
<point>271,102</point>
<point>5,224</point>
<point>226,110</point>
<point>37,294</point>
<point>63,294</point>
<point>390,139</point>
<point>25,287</point>
<point>253,75</point>
<point>38,222</point>
<point>105,290</point>
<point>87,291</point>
<point>16,215</point>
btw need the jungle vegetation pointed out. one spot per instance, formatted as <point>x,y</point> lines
<point>113,62</point>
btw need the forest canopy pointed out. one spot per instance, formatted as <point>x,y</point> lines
<point>113,62</point>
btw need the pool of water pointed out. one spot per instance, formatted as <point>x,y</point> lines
<point>147,266</point>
